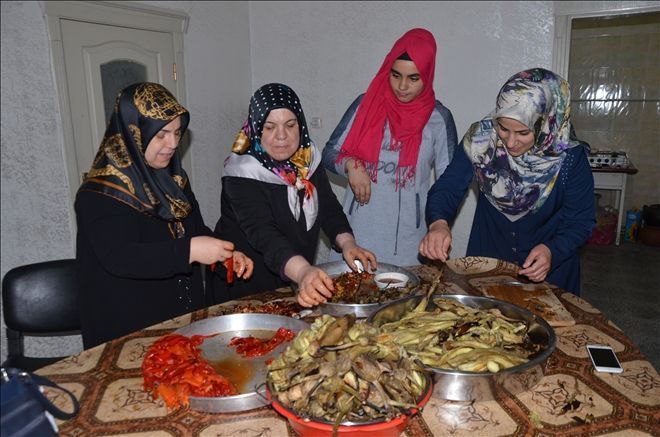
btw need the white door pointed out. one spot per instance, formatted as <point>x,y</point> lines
<point>100,60</point>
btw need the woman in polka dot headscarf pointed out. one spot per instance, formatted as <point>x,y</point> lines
<point>274,203</point>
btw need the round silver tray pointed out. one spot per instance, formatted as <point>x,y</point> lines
<point>216,349</point>
<point>361,310</point>
<point>458,385</point>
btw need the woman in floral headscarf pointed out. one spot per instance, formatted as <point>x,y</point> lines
<point>390,144</point>
<point>275,201</point>
<point>141,237</point>
<point>536,202</point>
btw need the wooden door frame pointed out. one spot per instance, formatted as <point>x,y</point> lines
<point>122,14</point>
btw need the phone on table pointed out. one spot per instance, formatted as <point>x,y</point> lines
<point>604,358</point>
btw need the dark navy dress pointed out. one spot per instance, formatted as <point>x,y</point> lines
<point>563,223</point>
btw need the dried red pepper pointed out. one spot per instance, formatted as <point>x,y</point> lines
<point>281,308</point>
<point>229,265</point>
<point>257,347</point>
<point>174,369</point>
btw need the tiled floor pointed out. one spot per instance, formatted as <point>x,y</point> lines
<point>624,283</point>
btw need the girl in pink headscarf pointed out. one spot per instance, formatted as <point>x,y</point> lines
<point>389,144</point>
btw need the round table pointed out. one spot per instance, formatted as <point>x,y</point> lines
<point>571,398</point>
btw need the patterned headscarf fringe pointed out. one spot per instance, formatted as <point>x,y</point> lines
<point>242,141</point>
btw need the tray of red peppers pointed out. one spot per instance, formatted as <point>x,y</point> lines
<point>223,361</point>
<point>173,369</point>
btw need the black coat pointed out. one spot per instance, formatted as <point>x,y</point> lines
<point>133,272</point>
<point>255,216</point>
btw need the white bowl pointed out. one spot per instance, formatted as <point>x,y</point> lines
<point>391,280</point>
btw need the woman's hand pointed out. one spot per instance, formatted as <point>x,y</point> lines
<point>437,241</point>
<point>314,285</point>
<point>243,266</point>
<point>359,180</point>
<point>209,250</point>
<point>537,264</point>
<point>355,252</point>
<point>351,252</point>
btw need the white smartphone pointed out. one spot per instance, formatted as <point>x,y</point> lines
<point>604,358</point>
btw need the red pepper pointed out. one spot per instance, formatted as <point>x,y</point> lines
<point>257,347</point>
<point>173,368</point>
<point>229,265</point>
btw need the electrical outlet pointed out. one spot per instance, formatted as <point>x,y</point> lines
<point>316,122</point>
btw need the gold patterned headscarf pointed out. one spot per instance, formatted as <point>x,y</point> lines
<point>120,170</point>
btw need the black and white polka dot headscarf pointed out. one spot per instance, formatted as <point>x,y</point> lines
<point>265,99</point>
<point>293,172</point>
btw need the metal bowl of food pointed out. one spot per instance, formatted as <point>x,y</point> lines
<point>247,374</point>
<point>462,385</point>
<point>366,287</point>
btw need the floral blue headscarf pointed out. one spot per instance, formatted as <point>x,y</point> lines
<point>540,99</point>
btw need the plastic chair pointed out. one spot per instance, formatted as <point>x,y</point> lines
<point>39,299</point>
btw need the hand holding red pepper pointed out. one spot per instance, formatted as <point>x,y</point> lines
<point>238,265</point>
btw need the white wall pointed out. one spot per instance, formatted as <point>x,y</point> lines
<point>328,52</point>
<point>36,225</point>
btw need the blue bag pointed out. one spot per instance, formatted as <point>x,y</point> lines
<point>25,411</point>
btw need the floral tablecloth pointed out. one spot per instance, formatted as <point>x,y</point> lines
<point>570,399</point>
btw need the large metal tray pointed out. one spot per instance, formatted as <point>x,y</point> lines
<point>457,385</point>
<point>361,310</point>
<point>215,349</point>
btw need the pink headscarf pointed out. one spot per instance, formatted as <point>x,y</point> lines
<point>407,120</point>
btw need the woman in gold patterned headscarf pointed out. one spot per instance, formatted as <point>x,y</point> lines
<point>141,237</point>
